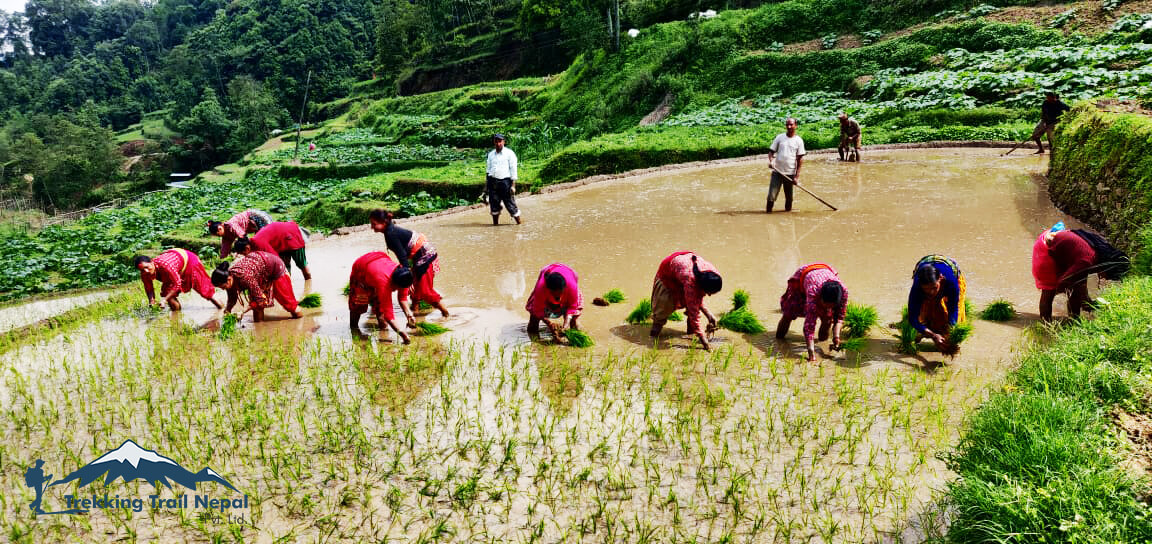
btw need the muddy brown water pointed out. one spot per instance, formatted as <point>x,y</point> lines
<point>897,206</point>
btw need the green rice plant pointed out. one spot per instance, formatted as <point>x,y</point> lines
<point>347,289</point>
<point>228,326</point>
<point>641,313</point>
<point>421,305</point>
<point>741,319</point>
<point>969,309</point>
<point>959,333</point>
<point>998,310</point>
<point>311,301</point>
<point>431,329</point>
<point>854,344</point>
<point>908,335</point>
<point>614,296</point>
<point>859,319</point>
<point>578,338</point>
<point>676,316</point>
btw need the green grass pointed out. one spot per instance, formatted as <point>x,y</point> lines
<point>641,313</point>
<point>998,310</point>
<point>311,301</point>
<point>614,296</point>
<point>859,319</point>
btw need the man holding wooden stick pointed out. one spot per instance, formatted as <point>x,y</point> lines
<point>786,169</point>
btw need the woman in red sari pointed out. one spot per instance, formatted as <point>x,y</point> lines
<point>374,277</point>
<point>263,276</point>
<point>179,271</point>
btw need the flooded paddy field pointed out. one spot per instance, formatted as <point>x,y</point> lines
<point>479,435</point>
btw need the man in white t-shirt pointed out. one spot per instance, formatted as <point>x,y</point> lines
<point>500,182</point>
<point>784,157</point>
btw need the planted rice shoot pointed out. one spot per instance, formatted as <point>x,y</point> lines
<point>859,319</point>
<point>959,333</point>
<point>998,310</point>
<point>431,329</point>
<point>641,313</point>
<point>578,338</point>
<point>741,319</point>
<point>676,316</point>
<point>311,301</point>
<point>614,296</point>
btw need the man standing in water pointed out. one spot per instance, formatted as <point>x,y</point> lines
<point>790,149</point>
<point>849,136</point>
<point>500,185</point>
<point>1050,112</point>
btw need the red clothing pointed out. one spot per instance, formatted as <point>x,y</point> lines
<point>1073,257</point>
<point>281,236</point>
<point>256,273</point>
<point>676,273</point>
<point>422,289</point>
<point>803,292</point>
<point>541,303</point>
<point>178,270</point>
<point>371,284</point>
<point>261,245</point>
<point>1044,269</point>
<point>234,228</point>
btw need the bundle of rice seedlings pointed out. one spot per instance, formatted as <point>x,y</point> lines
<point>578,339</point>
<point>998,310</point>
<point>347,289</point>
<point>311,301</point>
<point>431,329</point>
<point>741,319</point>
<point>614,296</point>
<point>228,326</point>
<point>854,344</point>
<point>968,308</point>
<point>959,333</point>
<point>908,335</point>
<point>421,305</point>
<point>859,319</point>
<point>641,313</point>
<point>676,316</point>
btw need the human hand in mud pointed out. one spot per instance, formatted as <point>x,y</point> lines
<point>556,330</point>
<point>936,338</point>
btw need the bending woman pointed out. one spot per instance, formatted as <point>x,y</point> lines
<point>263,277</point>
<point>556,296</point>
<point>682,281</point>
<point>247,221</point>
<point>286,240</point>
<point>936,301</point>
<point>815,292</point>
<point>374,277</point>
<point>179,271</point>
<point>413,252</point>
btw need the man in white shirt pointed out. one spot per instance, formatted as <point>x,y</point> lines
<point>784,157</point>
<point>500,185</point>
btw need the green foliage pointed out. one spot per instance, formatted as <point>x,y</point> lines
<point>740,299</point>
<point>907,335</point>
<point>347,290</point>
<point>741,318</point>
<point>998,310</point>
<point>343,154</point>
<point>431,329</point>
<point>228,326</point>
<point>641,313</point>
<point>959,333</point>
<point>854,344</point>
<point>578,338</point>
<point>614,296</point>
<point>312,300</point>
<point>676,316</point>
<point>828,41</point>
<point>859,319</point>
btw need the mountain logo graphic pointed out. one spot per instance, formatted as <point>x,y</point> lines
<point>128,462</point>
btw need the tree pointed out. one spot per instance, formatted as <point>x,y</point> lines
<point>256,113</point>
<point>58,27</point>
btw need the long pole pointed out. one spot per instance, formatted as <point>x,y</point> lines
<point>1015,147</point>
<point>813,195</point>
<point>300,120</point>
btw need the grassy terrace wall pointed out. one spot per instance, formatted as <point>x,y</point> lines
<point>1101,172</point>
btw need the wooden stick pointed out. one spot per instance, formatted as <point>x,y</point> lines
<point>813,195</point>
<point>1015,147</point>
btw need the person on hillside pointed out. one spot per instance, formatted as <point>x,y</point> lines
<point>374,277</point>
<point>1061,263</point>
<point>287,240</point>
<point>936,301</point>
<point>815,292</point>
<point>784,158</point>
<point>682,281</point>
<point>849,138</point>
<point>1050,112</point>
<point>179,271</point>
<point>555,296</point>
<point>500,182</point>
<point>241,224</point>
<point>414,252</point>
<point>262,275</point>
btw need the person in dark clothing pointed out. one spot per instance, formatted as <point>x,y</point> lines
<point>936,300</point>
<point>413,251</point>
<point>1050,112</point>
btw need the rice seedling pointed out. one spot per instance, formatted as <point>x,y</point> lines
<point>998,310</point>
<point>228,326</point>
<point>312,300</point>
<point>854,344</point>
<point>614,296</point>
<point>959,333</point>
<point>676,316</point>
<point>741,319</point>
<point>908,335</point>
<point>859,319</point>
<point>431,329</point>
<point>578,338</point>
<point>641,313</point>
<point>347,290</point>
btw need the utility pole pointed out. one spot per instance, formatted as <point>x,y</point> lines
<point>300,120</point>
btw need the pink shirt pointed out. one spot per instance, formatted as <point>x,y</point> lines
<point>676,274</point>
<point>541,302</point>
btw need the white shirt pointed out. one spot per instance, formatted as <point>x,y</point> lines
<point>503,164</point>
<point>788,150</point>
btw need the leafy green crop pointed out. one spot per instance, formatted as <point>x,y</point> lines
<point>344,154</point>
